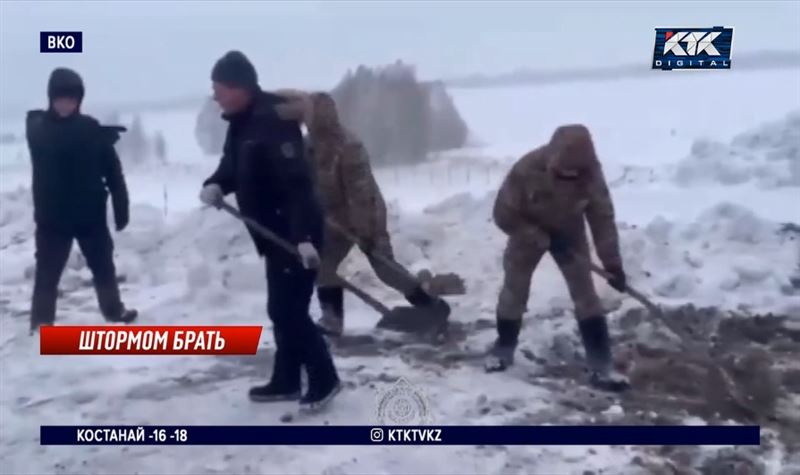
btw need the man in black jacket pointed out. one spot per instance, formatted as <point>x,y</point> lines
<point>75,167</point>
<point>263,163</point>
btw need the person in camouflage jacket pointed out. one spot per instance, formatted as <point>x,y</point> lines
<point>542,206</point>
<point>352,203</point>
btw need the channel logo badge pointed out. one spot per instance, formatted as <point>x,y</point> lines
<point>60,42</point>
<point>693,48</point>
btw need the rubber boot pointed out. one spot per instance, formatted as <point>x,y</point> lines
<point>597,344</point>
<point>501,355</point>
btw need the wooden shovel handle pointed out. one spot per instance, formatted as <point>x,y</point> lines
<point>628,289</point>
<point>286,246</point>
<point>367,298</point>
<point>384,259</point>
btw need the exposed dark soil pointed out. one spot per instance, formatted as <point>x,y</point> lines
<point>719,367</point>
<point>703,365</point>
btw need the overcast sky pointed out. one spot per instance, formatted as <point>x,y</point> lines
<point>152,50</point>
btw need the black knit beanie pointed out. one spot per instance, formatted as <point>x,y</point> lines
<point>65,82</point>
<point>235,70</point>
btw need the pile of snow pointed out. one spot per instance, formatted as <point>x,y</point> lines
<point>17,237</point>
<point>620,175</point>
<point>16,217</point>
<point>727,257</point>
<point>134,247</point>
<point>768,156</point>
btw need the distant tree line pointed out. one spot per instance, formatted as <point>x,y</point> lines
<point>399,119</point>
<point>210,129</point>
<point>135,146</point>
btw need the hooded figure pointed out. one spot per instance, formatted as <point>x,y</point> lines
<point>542,205</point>
<point>352,200</point>
<point>75,167</point>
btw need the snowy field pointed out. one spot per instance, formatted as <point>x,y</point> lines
<point>705,173</point>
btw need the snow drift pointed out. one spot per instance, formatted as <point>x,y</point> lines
<point>768,155</point>
<point>727,257</point>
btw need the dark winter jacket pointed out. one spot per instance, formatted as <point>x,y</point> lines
<point>264,163</point>
<point>74,166</point>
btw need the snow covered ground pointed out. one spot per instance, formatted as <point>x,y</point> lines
<point>704,185</point>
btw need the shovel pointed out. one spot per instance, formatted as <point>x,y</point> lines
<point>686,340</point>
<point>438,284</point>
<point>638,296</point>
<point>652,308</point>
<point>401,318</point>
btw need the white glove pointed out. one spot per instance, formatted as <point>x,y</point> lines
<point>308,254</point>
<point>212,195</point>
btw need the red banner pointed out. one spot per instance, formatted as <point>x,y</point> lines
<point>149,340</point>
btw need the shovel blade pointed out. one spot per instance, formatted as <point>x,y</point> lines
<point>413,320</point>
<point>441,284</point>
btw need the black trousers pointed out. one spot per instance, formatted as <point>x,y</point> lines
<point>53,247</point>
<point>298,341</point>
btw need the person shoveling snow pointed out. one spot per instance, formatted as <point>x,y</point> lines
<point>356,216</point>
<point>263,165</point>
<point>541,206</point>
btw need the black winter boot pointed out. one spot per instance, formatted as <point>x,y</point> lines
<point>284,385</point>
<point>111,305</point>
<point>318,396</point>
<point>501,356</point>
<point>127,315</point>
<point>597,344</point>
<point>323,383</point>
<point>273,392</point>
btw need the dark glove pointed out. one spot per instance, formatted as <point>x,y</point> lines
<point>617,280</point>
<point>367,246</point>
<point>121,218</point>
<point>560,245</point>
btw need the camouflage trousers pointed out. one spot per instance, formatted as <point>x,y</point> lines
<point>520,260</point>
<point>336,249</point>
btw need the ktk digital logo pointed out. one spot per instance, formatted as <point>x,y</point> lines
<point>61,42</point>
<point>693,48</point>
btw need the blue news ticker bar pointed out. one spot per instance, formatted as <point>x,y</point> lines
<point>382,435</point>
